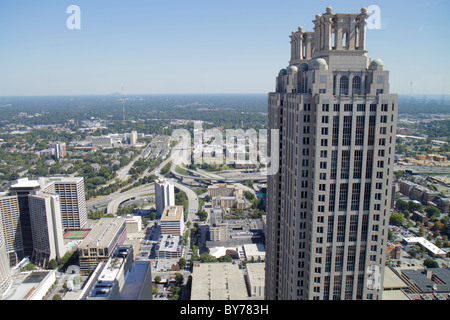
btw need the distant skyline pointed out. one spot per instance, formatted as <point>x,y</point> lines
<point>201,47</point>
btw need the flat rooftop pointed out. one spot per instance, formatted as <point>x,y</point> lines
<point>218,281</point>
<point>425,243</point>
<point>26,183</point>
<point>25,285</point>
<point>135,281</point>
<point>169,242</point>
<point>440,280</point>
<point>103,232</point>
<point>65,179</point>
<point>392,280</point>
<point>172,213</point>
<point>256,273</point>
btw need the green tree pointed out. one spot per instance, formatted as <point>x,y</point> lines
<point>52,264</point>
<point>182,262</point>
<point>206,257</point>
<point>203,215</point>
<point>397,219</point>
<point>414,206</point>
<point>430,263</point>
<point>225,258</point>
<point>412,253</point>
<point>401,205</point>
<point>432,211</point>
<point>179,279</point>
<point>249,196</point>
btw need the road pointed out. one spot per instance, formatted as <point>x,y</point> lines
<point>100,202</point>
<point>113,200</point>
<point>229,176</point>
<point>135,193</point>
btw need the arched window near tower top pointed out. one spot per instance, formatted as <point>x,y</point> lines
<point>356,85</point>
<point>343,85</point>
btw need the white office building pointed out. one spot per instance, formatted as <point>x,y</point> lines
<point>72,199</point>
<point>11,228</point>
<point>46,226</point>
<point>172,221</point>
<point>164,195</point>
<point>5,277</point>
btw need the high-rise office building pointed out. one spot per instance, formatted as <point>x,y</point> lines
<point>69,211</point>
<point>329,203</point>
<point>22,189</point>
<point>60,150</point>
<point>5,277</point>
<point>164,195</point>
<point>46,226</point>
<point>72,200</point>
<point>11,228</point>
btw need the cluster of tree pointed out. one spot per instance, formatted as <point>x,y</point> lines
<point>165,171</point>
<point>181,199</point>
<point>98,214</point>
<point>174,289</point>
<point>141,165</point>
<point>433,129</point>
<point>408,206</point>
<point>203,215</point>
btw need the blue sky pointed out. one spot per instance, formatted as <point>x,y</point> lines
<point>201,46</point>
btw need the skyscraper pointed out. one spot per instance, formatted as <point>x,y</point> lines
<point>69,211</point>
<point>164,195</point>
<point>22,189</point>
<point>72,200</point>
<point>10,215</point>
<point>329,203</point>
<point>46,226</point>
<point>5,277</point>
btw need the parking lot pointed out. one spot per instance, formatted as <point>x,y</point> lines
<point>406,261</point>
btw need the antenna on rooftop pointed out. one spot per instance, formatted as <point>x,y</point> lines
<point>123,105</point>
<point>410,90</point>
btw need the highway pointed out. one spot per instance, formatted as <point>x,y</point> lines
<point>113,201</point>
<point>135,193</point>
<point>226,176</point>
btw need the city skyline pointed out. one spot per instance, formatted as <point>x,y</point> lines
<point>201,47</point>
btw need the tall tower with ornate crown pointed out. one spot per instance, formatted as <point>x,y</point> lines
<point>329,203</point>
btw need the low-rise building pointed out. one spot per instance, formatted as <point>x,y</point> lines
<point>255,279</point>
<point>101,242</point>
<point>33,285</point>
<point>428,281</point>
<point>169,247</point>
<point>218,281</point>
<point>172,221</point>
<point>134,223</point>
<point>426,244</point>
<point>218,227</point>
<point>419,216</point>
